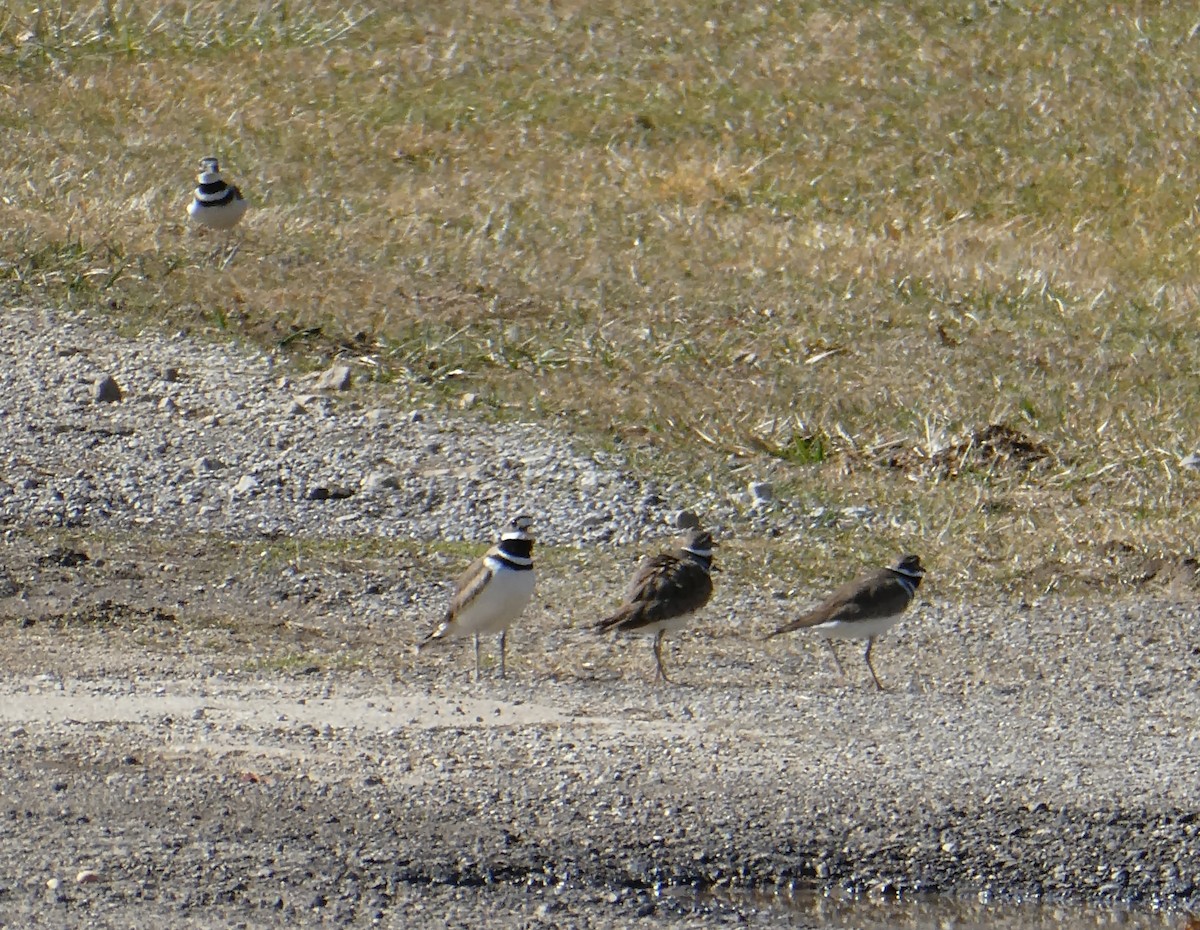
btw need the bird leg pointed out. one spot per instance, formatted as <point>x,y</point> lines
<point>477,657</point>
<point>503,639</point>
<point>836,661</point>
<point>658,641</point>
<point>870,643</point>
<point>232,251</point>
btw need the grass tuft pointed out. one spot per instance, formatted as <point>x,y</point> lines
<point>833,242</point>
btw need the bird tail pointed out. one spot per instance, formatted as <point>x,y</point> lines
<point>611,623</point>
<point>438,633</point>
<point>807,620</point>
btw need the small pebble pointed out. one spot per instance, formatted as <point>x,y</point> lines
<point>685,520</point>
<point>762,492</point>
<point>246,484</point>
<point>107,390</point>
<point>336,378</point>
<point>379,481</point>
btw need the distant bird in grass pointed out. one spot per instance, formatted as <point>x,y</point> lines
<point>493,591</point>
<point>215,204</point>
<point>666,590</point>
<point>864,608</point>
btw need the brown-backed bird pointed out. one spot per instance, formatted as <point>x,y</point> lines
<point>666,590</point>
<point>864,608</point>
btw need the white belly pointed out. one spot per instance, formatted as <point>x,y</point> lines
<point>856,629</point>
<point>222,217</point>
<point>498,605</point>
<point>669,625</point>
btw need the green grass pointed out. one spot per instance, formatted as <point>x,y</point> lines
<point>825,241</point>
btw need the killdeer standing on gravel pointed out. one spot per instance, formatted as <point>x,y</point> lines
<point>665,591</point>
<point>864,608</point>
<point>215,204</point>
<point>492,592</point>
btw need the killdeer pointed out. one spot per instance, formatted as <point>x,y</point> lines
<point>492,592</point>
<point>215,204</point>
<point>665,591</point>
<point>866,607</point>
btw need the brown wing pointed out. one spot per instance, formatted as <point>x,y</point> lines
<point>466,588</point>
<point>649,576</point>
<point>879,594</point>
<point>663,586</point>
<point>468,585</point>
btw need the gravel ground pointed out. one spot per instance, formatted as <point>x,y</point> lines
<point>205,724</point>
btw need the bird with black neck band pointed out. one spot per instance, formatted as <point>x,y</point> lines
<point>665,592</point>
<point>216,205</point>
<point>492,593</point>
<point>864,608</point>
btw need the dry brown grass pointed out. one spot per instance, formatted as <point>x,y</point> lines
<point>829,242</point>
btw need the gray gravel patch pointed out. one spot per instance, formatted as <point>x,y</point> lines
<point>1022,751</point>
<point>209,438</point>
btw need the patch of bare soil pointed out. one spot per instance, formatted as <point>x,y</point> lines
<point>197,733</point>
<point>995,448</point>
